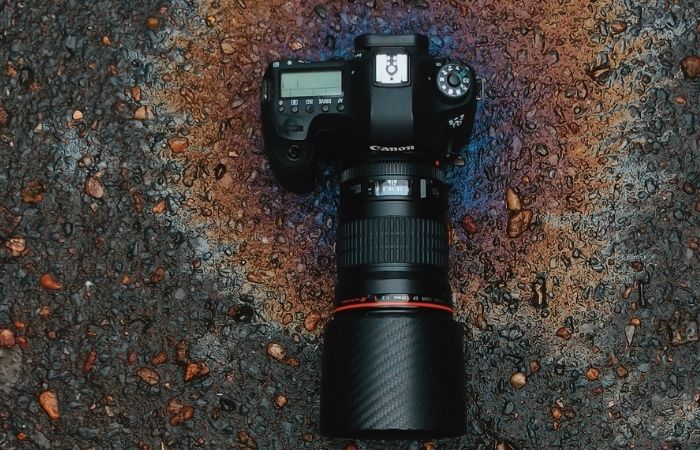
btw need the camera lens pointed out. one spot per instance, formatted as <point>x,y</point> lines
<point>393,359</point>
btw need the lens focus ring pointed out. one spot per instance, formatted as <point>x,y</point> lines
<point>380,240</point>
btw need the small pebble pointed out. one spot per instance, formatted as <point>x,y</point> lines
<point>16,246</point>
<point>622,371</point>
<point>592,374</point>
<point>618,26</point>
<point>48,281</point>
<point>94,187</point>
<point>148,376</point>
<point>280,401</point>
<point>152,23</point>
<point>49,403</point>
<point>7,338</point>
<point>518,380</point>
<point>178,145</point>
<point>275,351</point>
<point>691,66</point>
<point>311,321</point>
<point>513,202</point>
<point>564,333</point>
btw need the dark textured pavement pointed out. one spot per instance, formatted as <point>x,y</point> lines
<point>159,290</point>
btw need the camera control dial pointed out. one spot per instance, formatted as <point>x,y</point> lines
<point>454,80</point>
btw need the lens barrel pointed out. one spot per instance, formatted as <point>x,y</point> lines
<point>393,357</point>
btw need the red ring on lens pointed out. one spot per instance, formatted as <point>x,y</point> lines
<point>371,305</point>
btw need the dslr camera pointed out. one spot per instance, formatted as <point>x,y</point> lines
<point>390,117</point>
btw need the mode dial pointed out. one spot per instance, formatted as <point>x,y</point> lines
<point>454,80</point>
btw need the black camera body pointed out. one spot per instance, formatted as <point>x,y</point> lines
<point>393,362</point>
<point>392,97</point>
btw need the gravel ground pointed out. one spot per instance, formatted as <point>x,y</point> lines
<point>159,290</point>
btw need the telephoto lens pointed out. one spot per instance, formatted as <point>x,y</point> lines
<point>393,357</point>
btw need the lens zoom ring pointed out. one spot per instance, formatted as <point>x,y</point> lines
<point>388,168</point>
<point>379,240</point>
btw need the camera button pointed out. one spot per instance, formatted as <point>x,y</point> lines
<point>341,107</point>
<point>293,152</point>
<point>295,109</point>
<point>309,108</point>
<point>325,108</point>
<point>454,80</point>
<point>280,108</point>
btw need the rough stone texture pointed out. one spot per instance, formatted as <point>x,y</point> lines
<point>590,116</point>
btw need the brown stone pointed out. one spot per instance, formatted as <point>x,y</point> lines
<point>174,406</point>
<point>34,192</point>
<point>48,281</point>
<point>90,361</point>
<point>513,202</point>
<point>312,320</point>
<point>152,23</point>
<point>148,376</point>
<point>275,351</point>
<point>158,275</point>
<point>557,412</point>
<point>136,93</point>
<point>469,224</point>
<point>143,113</point>
<point>179,413</point>
<point>519,222</point>
<point>592,374</point>
<point>159,208</point>
<point>94,187</point>
<point>280,401</point>
<point>7,338</point>
<point>518,380</point>
<point>159,358</point>
<point>49,403</point>
<point>618,26</point>
<point>228,46</point>
<point>691,66</point>
<point>195,370</point>
<point>564,333</point>
<point>178,145</point>
<point>246,439</point>
<point>621,371</point>
<point>534,366</point>
<point>255,278</point>
<point>16,247</point>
